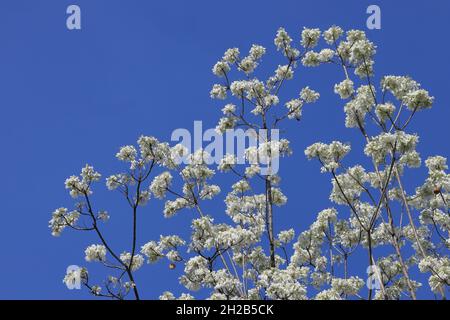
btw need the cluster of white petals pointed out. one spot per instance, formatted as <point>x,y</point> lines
<point>235,248</point>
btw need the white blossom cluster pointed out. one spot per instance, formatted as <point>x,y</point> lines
<point>235,248</point>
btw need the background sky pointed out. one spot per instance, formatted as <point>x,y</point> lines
<point>68,98</point>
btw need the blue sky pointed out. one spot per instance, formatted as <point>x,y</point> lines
<point>143,67</point>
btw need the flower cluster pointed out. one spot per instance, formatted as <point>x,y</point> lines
<point>234,250</point>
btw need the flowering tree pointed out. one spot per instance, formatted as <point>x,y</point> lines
<point>244,257</point>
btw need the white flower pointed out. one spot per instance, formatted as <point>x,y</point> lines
<point>294,107</point>
<point>284,72</point>
<point>328,294</point>
<point>160,184</point>
<point>256,52</point>
<point>381,146</point>
<point>344,89</point>
<point>282,284</point>
<point>286,236</point>
<point>209,191</point>
<point>231,55</point>
<point>96,290</point>
<point>95,252</point>
<point>73,276</point>
<point>172,207</point>
<point>127,153</point>
<point>167,296</point>
<point>138,260</point>
<point>440,272</point>
<point>103,215</point>
<point>167,246</point>
<point>357,108</point>
<point>324,218</point>
<point>308,95</point>
<point>282,39</point>
<point>196,272</point>
<point>61,218</point>
<point>332,34</point>
<point>227,162</point>
<point>310,37</point>
<point>247,65</point>
<point>278,198</point>
<point>79,187</point>
<point>325,55</point>
<point>384,111</point>
<point>329,155</point>
<point>115,181</point>
<point>221,68</point>
<point>252,170</point>
<point>229,109</point>
<point>350,286</point>
<point>311,59</point>
<point>218,92</point>
<point>418,99</point>
<point>225,123</point>
<point>186,296</point>
<point>241,186</point>
<point>436,163</point>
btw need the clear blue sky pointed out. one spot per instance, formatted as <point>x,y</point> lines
<point>143,67</point>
